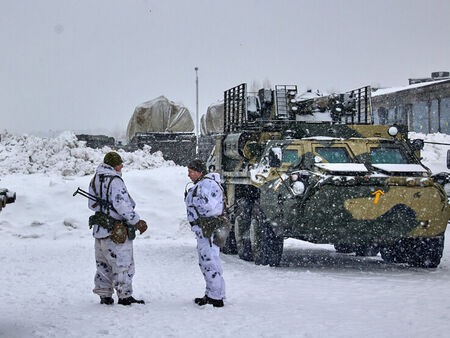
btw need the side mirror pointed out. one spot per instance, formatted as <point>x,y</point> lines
<point>275,157</point>
<point>448,159</point>
<point>417,144</point>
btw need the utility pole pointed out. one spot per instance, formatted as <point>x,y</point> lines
<point>196,110</point>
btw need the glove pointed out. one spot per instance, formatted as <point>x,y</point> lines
<point>141,226</point>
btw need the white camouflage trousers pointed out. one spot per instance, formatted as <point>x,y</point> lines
<point>210,265</point>
<point>115,268</point>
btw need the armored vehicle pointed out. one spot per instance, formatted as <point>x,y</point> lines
<point>319,170</point>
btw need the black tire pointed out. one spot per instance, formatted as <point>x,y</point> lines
<point>425,252</point>
<point>266,246</point>
<point>242,232</point>
<point>367,250</point>
<point>344,248</point>
<point>395,253</point>
<point>230,247</point>
<point>387,254</point>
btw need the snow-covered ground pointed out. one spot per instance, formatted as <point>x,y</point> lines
<point>47,259</point>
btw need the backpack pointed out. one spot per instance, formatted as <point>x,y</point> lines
<point>219,226</point>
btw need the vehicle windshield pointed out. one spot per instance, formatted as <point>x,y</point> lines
<point>388,155</point>
<point>334,154</point>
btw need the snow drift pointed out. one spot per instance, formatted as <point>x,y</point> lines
<point>64,155</point>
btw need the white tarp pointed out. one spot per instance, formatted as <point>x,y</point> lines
<point>160,115</point>
<point>212,121</point>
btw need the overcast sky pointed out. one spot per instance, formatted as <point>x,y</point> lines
<point>86,64</point>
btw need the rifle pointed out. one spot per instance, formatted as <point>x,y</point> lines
<point>104,204</point>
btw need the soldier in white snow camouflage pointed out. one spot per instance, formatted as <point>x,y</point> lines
<point>114,231</point>
<point>205,199</point>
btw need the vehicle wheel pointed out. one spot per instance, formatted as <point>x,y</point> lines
<point>387,254</point>
<point>242,233</point>
<point>395,253</point>
<point>266,246</point>
<point>425,252</point>
<point>367,250</point>
<point>230,247</point>
<point>344,248</point>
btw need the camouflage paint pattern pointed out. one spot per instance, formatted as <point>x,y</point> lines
<point>337,207</point>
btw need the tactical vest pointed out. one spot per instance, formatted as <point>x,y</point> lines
<point>102,218</point>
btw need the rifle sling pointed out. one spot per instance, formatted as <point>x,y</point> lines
<point>101,180</point>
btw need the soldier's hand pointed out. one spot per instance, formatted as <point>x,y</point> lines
<point>141,226</point>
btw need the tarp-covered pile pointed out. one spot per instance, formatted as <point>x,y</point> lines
<point>160,115</point>
<point>212,121</point>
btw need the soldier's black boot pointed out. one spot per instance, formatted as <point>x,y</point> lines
<point>106,300</point>
<point>201,301</point>
<point>206,300</point>
<point>130,300</point>
<point>215,302</point>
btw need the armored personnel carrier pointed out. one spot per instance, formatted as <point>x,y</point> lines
<point>320,170</point>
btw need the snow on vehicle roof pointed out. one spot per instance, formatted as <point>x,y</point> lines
<point>309,94</point>
<point>314,117</point>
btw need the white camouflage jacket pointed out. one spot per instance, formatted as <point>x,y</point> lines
<point>117,194</point>
<point>206,196</point>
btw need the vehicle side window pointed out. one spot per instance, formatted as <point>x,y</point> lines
<point>388,155</point>
<point>334,154</point>
<point>290,156</point>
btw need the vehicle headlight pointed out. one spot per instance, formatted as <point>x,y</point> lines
<point>426,182</point>
<point>298,187</point>
<point>410,182</point>
<point>393,131</point>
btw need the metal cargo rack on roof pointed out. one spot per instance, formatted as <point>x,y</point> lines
<point>280,107</point>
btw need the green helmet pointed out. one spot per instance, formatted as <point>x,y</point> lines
<point>113,159</point>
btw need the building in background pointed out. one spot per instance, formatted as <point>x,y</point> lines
<point>423,105</point>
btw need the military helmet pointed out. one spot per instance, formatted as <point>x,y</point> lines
<point>113,159</point>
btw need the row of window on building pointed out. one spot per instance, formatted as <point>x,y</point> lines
<point>422,117</point>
